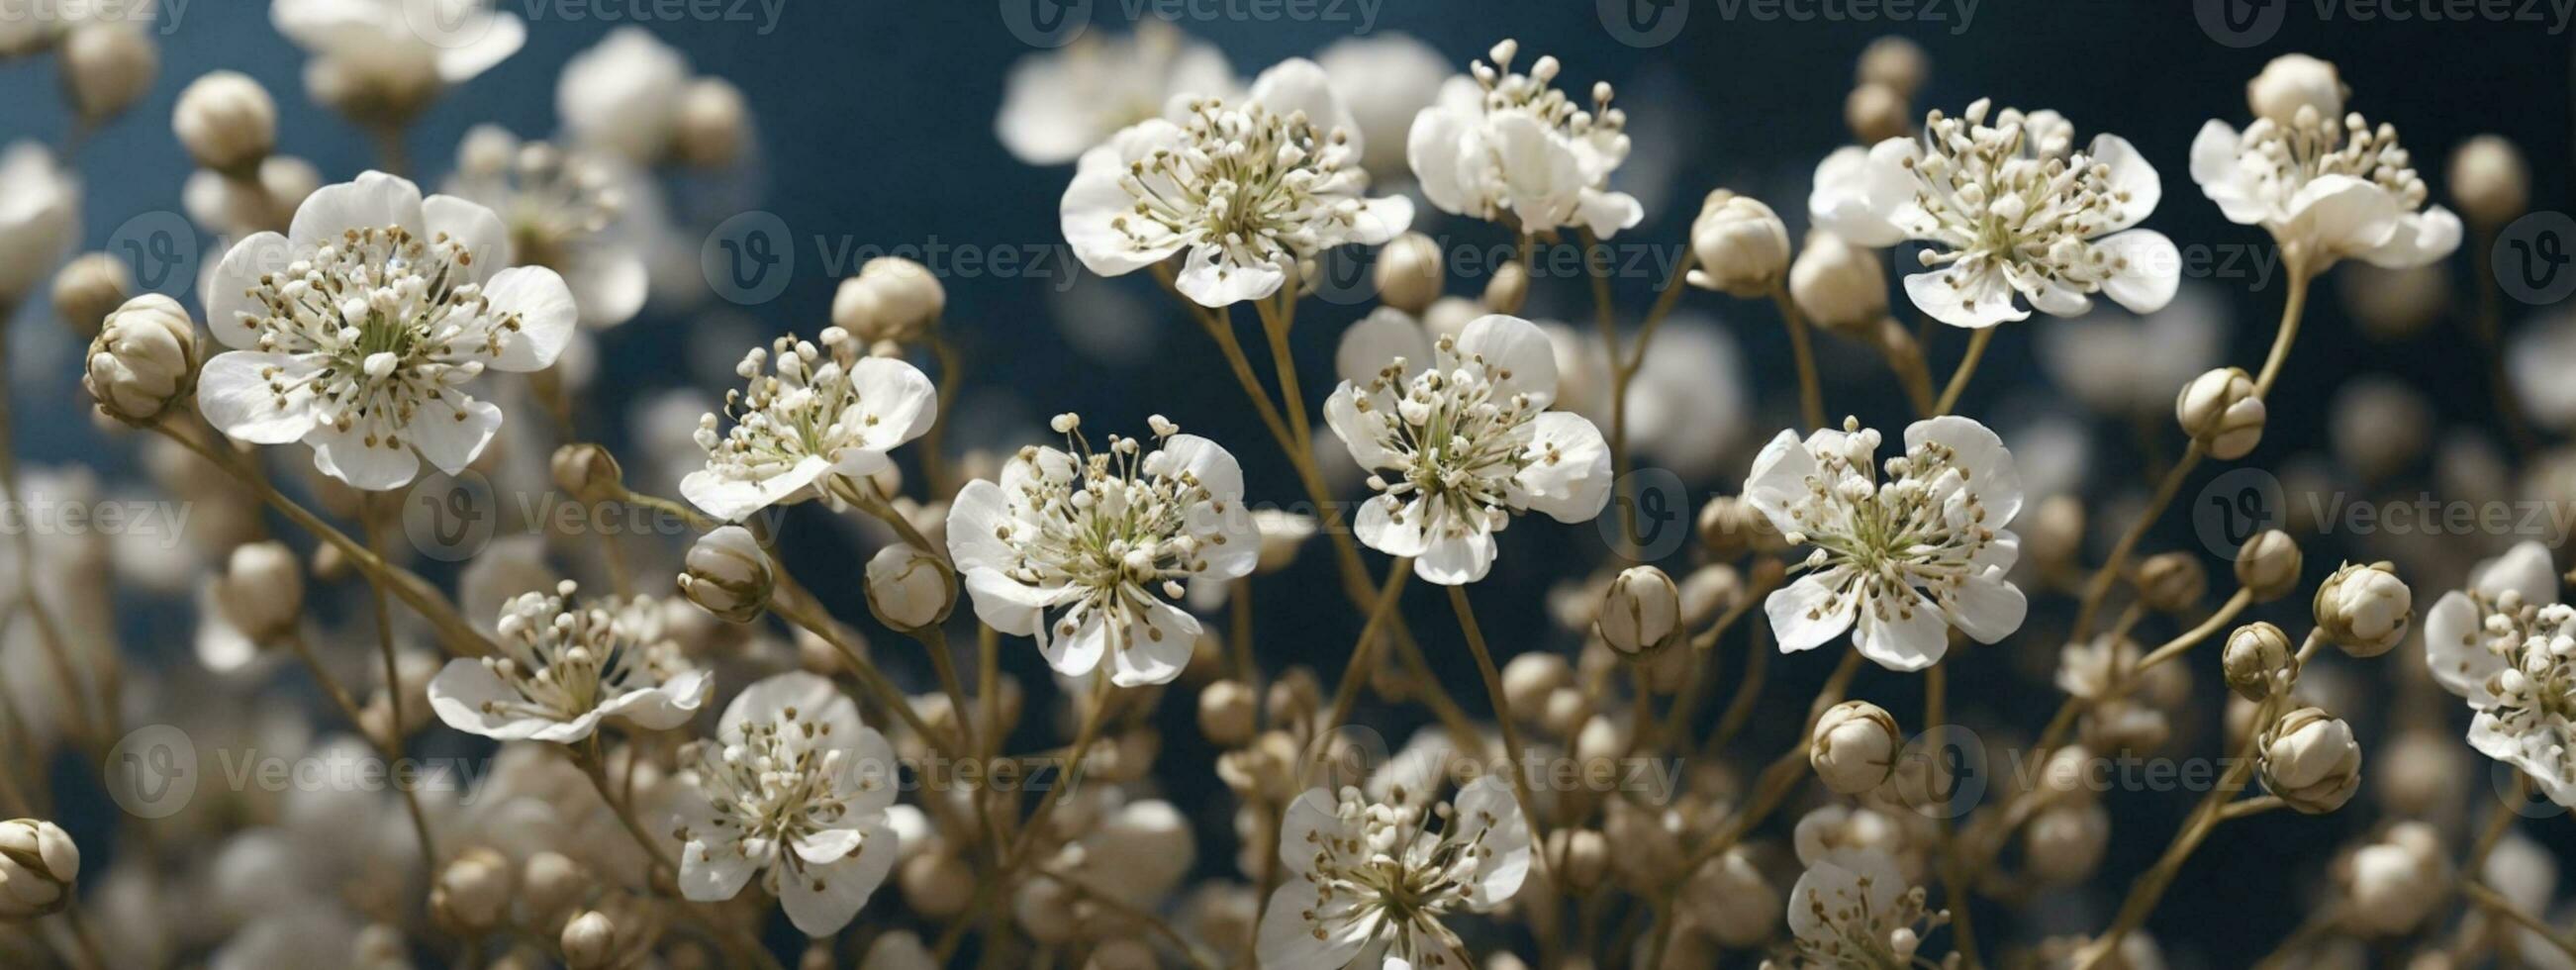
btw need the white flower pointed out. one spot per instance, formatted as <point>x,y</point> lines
<point>793,789</point>
<point>357,331</point>
<point>2326,188</point>
<point>1499,142</point>
<point>565,211</point>
<point>1249,190</point>
<point>623,95</point>
<point>564,666</point>
<point>1103,543</point>
<point>2007,208</point>
<point>1386,78</point>
<point>1369,883</point>
<point>1897,562</point>
<point>817,426</point>
<point>2538,358</point>
<point>1471,442</point>
<point>394,55</point>
<point>39,218</point>
<point>1853,909</point>
<point>1058,104</point>
<point>2507,646</point>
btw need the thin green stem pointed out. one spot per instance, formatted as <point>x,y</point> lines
<point>1977,342</point>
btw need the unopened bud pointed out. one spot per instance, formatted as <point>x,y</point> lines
<point>106,67</point>
<point>2172,582</point>
<point>589,940</point>
<point>1508,289</point>
<point>892,299</point>
<point>261,590</point>
<point>2219,410</point>
<point>713,125</point>
<point>1742,248</point>
<point>2364,610</point>
<point>1854,747</point>
<point>2268,565</point>
<point>589,473</point>
<point>1876,113</point>
<point>1410,273</point>
<point>144,361</point>
<point>2489,181</point>
<point>1896,62</point>
<point>1839,286</point>
<point>1226,712</point>
<point>1730,527</point>
<point>474,891</point>
<point>2311,761</point>
<point>729,574</point>
<point>1640,612</point>
<point>937,884</point>
<point>2294,81</point>
<point>227,122</point>
<point>39,866</point>
<point>909,589</point>
<point>2258,661</point>
<point>89,288</point>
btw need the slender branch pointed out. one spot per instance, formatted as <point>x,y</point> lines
<point>1347,691</point>
<point>1802,351</point>
<point>1977,342</point>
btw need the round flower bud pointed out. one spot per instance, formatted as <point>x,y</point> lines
<point>2294,81</point>
<point>1742,248</point>
<point>729,574</point>
<point>1410,273</point>
<point>552,881</point>
<point>1876,113</point>
<point>712,125</point>
<point>1640,611</point>
<point>1854,747</point>
<point>1528,679</point>
<point>589,473</point>
<point>1896,62</point>
<point>1508,289</point>
<point>474,891</point>
<point>2172,582</point>
<point>2311,761</point>
<point>106,67</point>
<point>2489,180</point>
<point>261,590</point>
<point>589,940</point>
<point>1730,527</point>
<point>2258,661</point>
<point>908,588</point>
<point>1226,710</point>
<point>892,299</point>
<point>144,360</point>
<point>89,288</point>
<point>39,865</point>
<point>2219,410</point>
<point>2065,843</point>
<point>1581,854</point>
<point>2056,532</point>
<point>1839,286</point>
<point>2068,774</point>
<point>1729,898</point>
<point>2268,565</point>
<point>227,122</point>
<point>937,884</point>
<point>1709,591</point>
<point>2364,609</point>
<point>2388,879</point>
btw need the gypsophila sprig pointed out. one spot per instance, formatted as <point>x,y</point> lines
<point>1369,882</point>
<point>359,331</point>
<point>1250,190</point>
<point>2326,188</point>
<point>813,422</point>
<point>1500,145</point>
<point>1087,550</point>
<point>1896,562</point>
<point>793,789</point>
<point>566,665</point>
<point>1461,440</point>
<point>2008,208</point>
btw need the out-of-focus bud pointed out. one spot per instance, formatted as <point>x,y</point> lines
<point>1730,527</point>
<point>1741,246</point>
<point>892,299</point>
<point>1839,286</point>
<point>1729,897</point>
<point>262,590</point>
<point>937,884</point>
<point>2068,774</point>
<point>729,574</point>
<point>713,125</point>
<point>89,288</point>
<point>1854,747</point>
<point>2268,565</point>
<point>551,881</point>
<point>909,589</point>
<point>589,473</point>
<point>1282,534</point>
<point>1529,678</point>
<point>2365,610</point>
<point>2219,410</point>
<point>589,940</point>
<point>227,122</point>
<point>1508,289</point>
<point>2064,843</point>
<point>2257,661</point>
<point>1581,854</point>
<point>2294,81</point>
<point>39,866</point>
<point>2311,761</point>
<point>1709,591</point>
<point>1876,113</point>
<point>2056,532</point>
<point>2388,879</point>
<point>1896,62</point>
<point>144,360</point>
<point>1226,710</point>
<point>474,891</point>
<point>106,67</point>
<point>2172,582</point>
<point>1640,612</point>
<point>1410,273</point>
<point>2489,181</point>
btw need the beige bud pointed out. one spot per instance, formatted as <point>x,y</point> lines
<point>1508,289</point>
<point>2489,181</point>
<point>2258,661</point>
<point>2220,411</point>
<point>1894,61</point>
<point>2268,565</point>
<point>1730,527</point>
<point>908,588</point>
<point>1410,273</point>
<point>589,940</point>
<point>1226,713</point>
<point>551,881</point>
<point>892,299</point>
<point>1741,246</point>
<point>1729,897</point>
<point>227,122</point>
<point>1581,854</point>
<point>2172,582</point>
<point>937,884</point>
<point>2311,761</point>
<point>474,891</point>
<point>2365,610</point>
<point>2294,81</point>
<point>1709,591</point>
<point>2064,843</point>
<point>1876,112</point>
<point>1854,747</point>
<point>144,361</point>
<point>729,574</point>
<point>2389,879</point>
<point>1840,286</point>
<point>589,473</point>
<point>106,67</point>
<point>2056,532</point>
<point>1528,679</point>
<point>39,867</point>
<point>89,288</point>
<point>261,590</point>
<point>1640,612</point>
<point>712,126</point>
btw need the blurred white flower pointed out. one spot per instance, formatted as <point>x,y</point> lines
<point>814,427</point>
<point>2539,358</point>
<point>1058,104</point>
<point>1498,142</point>
<point>386,59</point>
<point>39,218</point>
<point>566,211</point>
<point>358,331</point>
<point>565,666</point>
<point>1367,882</point>
<point>623,95</point>
<point>1851,908</point>
<point>795,790</point>
<point>1386,78</point>
<point>2325,187</point>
